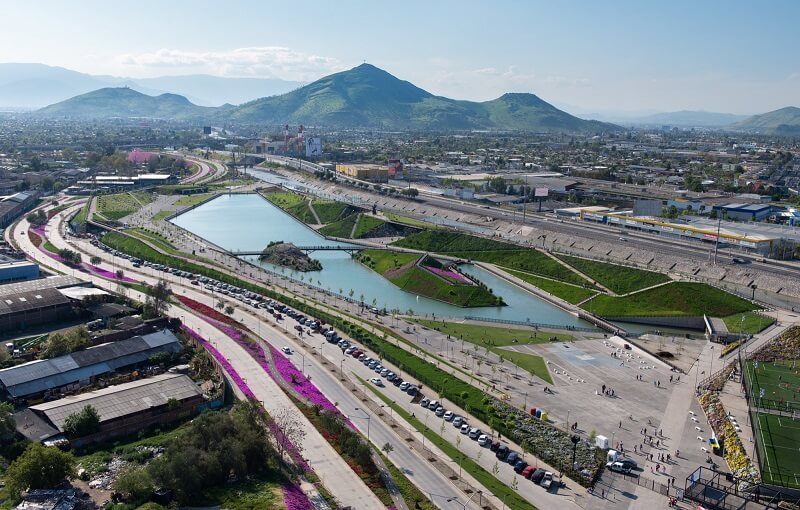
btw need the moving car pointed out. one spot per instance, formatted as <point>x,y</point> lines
<point>286,350</point>
<point>377,381</point>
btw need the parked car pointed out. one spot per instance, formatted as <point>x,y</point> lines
<point>474,433</point>
<point>448,416</point>
<point>424,402</point>
<point>527,472</point>
<point>412,390</point>
<point>520,465</point>
<point>404,386</point>
<point>512,458</point>
<point>619,467</point>
<point>439,411</point>
<point>537,475</point>
<point>465,429</point>
<point>433,404</point>
<point>484,440</point>
<point>547,480</point>
<point>502,452</point>
<point>458,421</point>
<point>494,446</point>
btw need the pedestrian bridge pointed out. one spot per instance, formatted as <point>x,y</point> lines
<point>308,249</point>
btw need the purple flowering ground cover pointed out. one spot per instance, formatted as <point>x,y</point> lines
<point>453,275</point>
<point>299,382</point>
<point>245,389</point>
<point>295,499</point>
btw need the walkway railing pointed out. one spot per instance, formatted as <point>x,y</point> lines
<point>530,324</point>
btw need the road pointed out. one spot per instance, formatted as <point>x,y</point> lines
<point>336,475</point>
<point>553,227</point>
<point>413,463</point>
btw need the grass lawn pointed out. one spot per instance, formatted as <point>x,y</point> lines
<point>411,222</point>
<point>401,270</point>
<point>677,299</point>
<point>494,338</point>
<point>190,200</point>
<point>498,488</point>
<point>341,228</point>
<point>484,336</point>
<point>780,436</point>
<point>328,210</point>
<point>753,323</point>
<point>47,245</point>
<point>365,225</point>
<point>160,215</point>
<point>80,216</point>
<point>620,279</point>
<point>292,203</point>
<point>569,293</point>
<point>494,252</point>
<point>531,363</point>
<point>114,207</point>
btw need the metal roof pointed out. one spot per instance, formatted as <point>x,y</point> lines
<point>122,400</point>
<point>31,300</point>
<point>41,375</point>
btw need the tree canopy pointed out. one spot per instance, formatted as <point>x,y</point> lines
<point>39,467</point>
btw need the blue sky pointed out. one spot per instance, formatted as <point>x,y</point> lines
<point>589,56</point>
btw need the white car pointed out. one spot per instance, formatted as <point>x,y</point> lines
<point>547,480</point>
<point>377,381</point>
<point>286,350</point>
<point>484,440</point>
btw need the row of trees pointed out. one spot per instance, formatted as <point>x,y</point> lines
<point>69,256</point>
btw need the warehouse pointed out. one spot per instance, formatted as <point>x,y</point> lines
<point>13,270</point>
<point>745,212</point>
<point>124,409</point>
<point>45,378</point>
<point>26,309</point>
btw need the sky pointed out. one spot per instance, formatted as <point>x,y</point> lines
<point>585,56</point>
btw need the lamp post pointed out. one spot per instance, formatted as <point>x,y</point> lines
<point>391,410</point>
<point>366,415</point>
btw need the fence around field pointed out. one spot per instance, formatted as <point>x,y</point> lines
<point>765,404</point>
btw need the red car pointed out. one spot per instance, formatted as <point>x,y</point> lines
<point>355,353</point>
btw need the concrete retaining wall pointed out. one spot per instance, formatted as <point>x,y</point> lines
<point>668,322</point>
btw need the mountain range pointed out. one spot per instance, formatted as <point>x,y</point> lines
<point>362,97</point>
<point>785,121</point>
<point>37,85</point>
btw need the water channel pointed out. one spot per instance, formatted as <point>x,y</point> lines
<point>249,223</point>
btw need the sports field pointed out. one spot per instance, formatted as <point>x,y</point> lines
<point>780,382</point>
<point>779,449</point>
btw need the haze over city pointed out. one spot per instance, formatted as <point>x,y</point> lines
<point>734,57</point>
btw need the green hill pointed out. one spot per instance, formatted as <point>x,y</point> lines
<point>785,121</point>
<point>366,96</point>
<point>125,102</point>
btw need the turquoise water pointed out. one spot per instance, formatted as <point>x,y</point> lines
<point>249,223</point>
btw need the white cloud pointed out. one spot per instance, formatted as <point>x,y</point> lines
<point>255,62</point>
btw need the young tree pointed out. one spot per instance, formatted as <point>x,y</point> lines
<point>82,423</point>
<point>229,310</point>
<point>387,448</point>
<point>135,484</point>
<point>94,260</point>
<point>39,467</point>
<point>158,298</point>
<point>291,428</point>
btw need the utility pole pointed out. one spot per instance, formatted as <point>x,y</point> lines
<point>716,241</point>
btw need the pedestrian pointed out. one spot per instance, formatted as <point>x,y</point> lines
<point>634,448</point>
<point>620,424</point>
<point>651,458</point>
<point>602,493</point>
<point>661,432</point>
<point>604,388</point>
<point>670,378</point>
<point>658,466</point>
<point>677,453</point>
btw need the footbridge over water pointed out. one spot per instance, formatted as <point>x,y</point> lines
<point>308,249</point>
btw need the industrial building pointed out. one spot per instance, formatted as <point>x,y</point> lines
<point>26,309</point>
<point>757,238</point>
<point>13,270</point>
<point>13,206</point>
<point>374,173</point>
<point>124,409</point>
<point>745,212</point>
<point>50,376</point>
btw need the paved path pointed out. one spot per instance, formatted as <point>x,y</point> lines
<point>336,475</point>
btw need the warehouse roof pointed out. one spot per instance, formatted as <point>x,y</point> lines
<point>122,400</point>
<point>41,375</point>
<point>32,300</point>
<point>53,282</point>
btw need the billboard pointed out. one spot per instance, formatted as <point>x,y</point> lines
<point>313,147</point>
<point>540,192</point>
<point>647,207</point>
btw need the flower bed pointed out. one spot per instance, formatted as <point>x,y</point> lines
<point>300,383</point>
<point>295,499</point>
<point>206,310</point>
<point>786,346</point>
<point>734,453</point>
<point>35,239</point>
<point>297,458</point>
<point>450,275</point>
<point>717,382</point>
<point>105,273</point>
<point>549,443</point>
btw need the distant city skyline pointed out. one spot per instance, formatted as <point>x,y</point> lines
<point>623,56</point>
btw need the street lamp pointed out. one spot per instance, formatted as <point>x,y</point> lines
<point>366,415</point>
<point>391,410</point>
